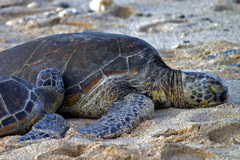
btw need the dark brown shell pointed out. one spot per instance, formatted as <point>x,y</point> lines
<point>84,58</point>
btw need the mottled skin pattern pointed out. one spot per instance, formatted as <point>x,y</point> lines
<point>50,126</point>
<point>122,117</point>
<point>117,78</point>
<point>23,104</point>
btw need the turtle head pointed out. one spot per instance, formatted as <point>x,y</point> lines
<point>50,78</point>
<point>203,90</point>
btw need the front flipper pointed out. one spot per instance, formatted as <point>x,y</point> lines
<point>51,125</point>
<point>122,117</point>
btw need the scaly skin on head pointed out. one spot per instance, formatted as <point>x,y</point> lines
<point>203,89</point>
<point>50,89</point>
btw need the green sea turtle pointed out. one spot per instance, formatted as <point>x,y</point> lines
<point>22,104</point>
<point>117,78</point>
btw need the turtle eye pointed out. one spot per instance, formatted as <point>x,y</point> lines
<point>212,89</point>
<point>215,87</point>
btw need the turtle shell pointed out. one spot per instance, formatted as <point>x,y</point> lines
<point>83,58</point>
<point>16,104</point>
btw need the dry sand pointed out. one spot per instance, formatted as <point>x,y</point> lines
<point>190,35</point>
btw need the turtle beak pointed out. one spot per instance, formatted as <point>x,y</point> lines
<point>223,96</point>
<point>218,89</point>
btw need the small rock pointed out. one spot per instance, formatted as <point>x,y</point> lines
<point>226,30</point>
<point>140,14</point>
<point>206,19</point>
<point>13,23</point>
<point>186,41</point>
<point>64,5</point>
<point>67,13</point>
<point>149,15</point>
<point>10,23</point>
<point>123,12</point>
<point>59,9</point>
<point>221,8</point>
<point>182,16</point>
<point>166,133</point>
<point>20,21</point>
<point>212,57</point>
<point>100,5</point>
<point>144,15</point>
<point>63,13</point>
<point>33,5</point>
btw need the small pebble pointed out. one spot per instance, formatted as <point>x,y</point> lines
<point>100,5</point>
<point>66,13</point>
<point>10,23</point>
<point>14,22</point>
<point>59,9</point>
<point>149,15</point>
<point>142,15</point>
<point>226,30</point>
<point>221,8</point>
<point>96,6</point>
<point>63,13</point>
<point>21,21</point>
<point>64,5</point>
<point>123,12</point>
<point>186,41</point>
<point>33,5</point>
<point>207,19</point>
<point>182,16</point>
<point>212,57</point>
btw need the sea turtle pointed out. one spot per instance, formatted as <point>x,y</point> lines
<point>117,78</point>
<point>22,104</point>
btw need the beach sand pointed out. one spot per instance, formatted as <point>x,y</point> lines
<point>190,35</point>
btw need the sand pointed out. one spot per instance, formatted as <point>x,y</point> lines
<point>190,35</point>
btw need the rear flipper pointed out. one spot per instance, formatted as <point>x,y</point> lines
<point>51,125</point>
<point>122,117</point>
